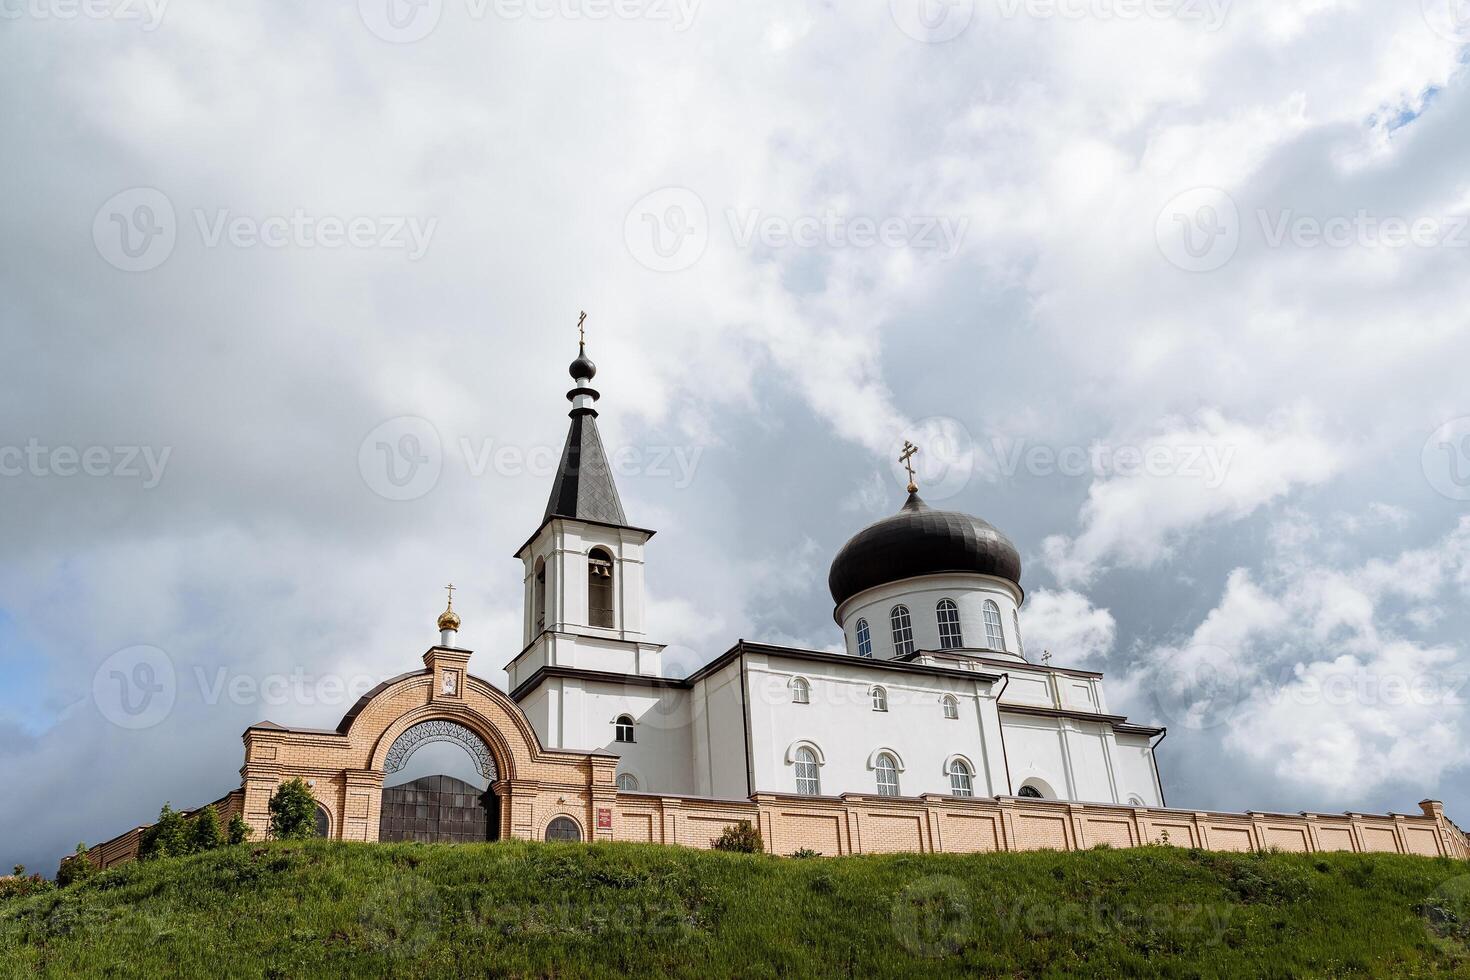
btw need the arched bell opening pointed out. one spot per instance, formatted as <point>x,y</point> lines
<point>439,786</point>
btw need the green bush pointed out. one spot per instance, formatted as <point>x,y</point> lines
<point>22,885</point>
<point>293,811</point>
<point>169,837</point>
<point>205,833</point>
<point>805,852</point>
<point>75,867</point>
<point>239,830</point>
<point>742,838</point>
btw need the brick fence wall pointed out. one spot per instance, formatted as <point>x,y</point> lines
<point>345,769</point>
<point>862,824</point>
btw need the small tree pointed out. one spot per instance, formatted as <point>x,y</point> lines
<point>239,830</point>
<point>206,831</point>
<point>75,867</point>
<point>293,811</point>
<point>169,837</point>
<point>741,838</point>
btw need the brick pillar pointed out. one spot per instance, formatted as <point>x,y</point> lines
<point>258,781</point>
<point>362,804</point>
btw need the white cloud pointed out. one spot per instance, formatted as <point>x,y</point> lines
<point>1068,625</point>
<point>1195,472</point>
<point>1316,679</point>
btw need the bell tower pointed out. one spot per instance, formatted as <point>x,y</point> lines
<point>584,565</point>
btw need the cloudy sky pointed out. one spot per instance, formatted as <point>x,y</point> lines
<point>1174,293</point>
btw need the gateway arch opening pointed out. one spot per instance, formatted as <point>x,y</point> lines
<point>437,779</point>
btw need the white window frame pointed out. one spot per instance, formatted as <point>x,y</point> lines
<point>995,634</point>
<point>951,707</point>
<point>886,775</point>
<point>1020,644</point>
<point>879,696</point>
<point>801,691</point>
<point>864,640</point>
<point>808,771</point>
<point>961,778</point>
<point>951,637</point>
<point>630,778</point>
<point>622,723</point>
<point>901,625</point>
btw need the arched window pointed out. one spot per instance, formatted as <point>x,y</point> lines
<point>949,625</point>
<point>887,770</point>
<point>903,631</point>
<point>623,728</point>
<point>961,778</point>
<point>1030,792</point>
<point>951,707</point>
<point>864,639</point>
<point>1016,622</point>
<point>323,822</point>
<point>801,691</point>
<point>600,588</point>
<point>539,594</point>
<point>627,782</point>
<point>995,637</point>
<point>1135,800</point>
<point>880,698</point>
<point>808,778</point>
<point>563,828</point>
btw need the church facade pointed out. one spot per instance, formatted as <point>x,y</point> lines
<point>931,729</point>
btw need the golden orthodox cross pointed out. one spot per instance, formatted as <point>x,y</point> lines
<point>581,331</point>
<point>450,589</point>
<point>906,458</point>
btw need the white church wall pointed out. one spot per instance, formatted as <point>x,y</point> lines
<point>1135,768</point>
<point>1025,687</point>
<point>1087,758</point>
<point>1035,753</point>
<point>922,595</point>
<point>661,753</point>
<point>537,709</point>
<point>842,726</point>
<point>717,710</point>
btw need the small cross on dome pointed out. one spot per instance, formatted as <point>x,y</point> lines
<point>906,458</point>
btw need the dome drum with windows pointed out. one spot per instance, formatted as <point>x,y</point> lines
<point>926,579</point>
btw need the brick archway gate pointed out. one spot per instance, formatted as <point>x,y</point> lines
<point>346,767</point>
<point>440,808</point>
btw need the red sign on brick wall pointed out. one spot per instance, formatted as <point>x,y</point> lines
<point>604,818</point>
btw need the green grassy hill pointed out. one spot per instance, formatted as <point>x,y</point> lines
<point>330,909</point>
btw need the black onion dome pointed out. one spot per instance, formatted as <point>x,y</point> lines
<point>582,367</point>
<point>919,540</point>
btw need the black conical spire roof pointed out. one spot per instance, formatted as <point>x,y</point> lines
<point>584,488</point>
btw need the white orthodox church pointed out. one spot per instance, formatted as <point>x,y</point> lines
<point>931,730</point>
<point>932,694</point>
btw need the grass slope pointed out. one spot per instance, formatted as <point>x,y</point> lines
<point>332,909</point>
